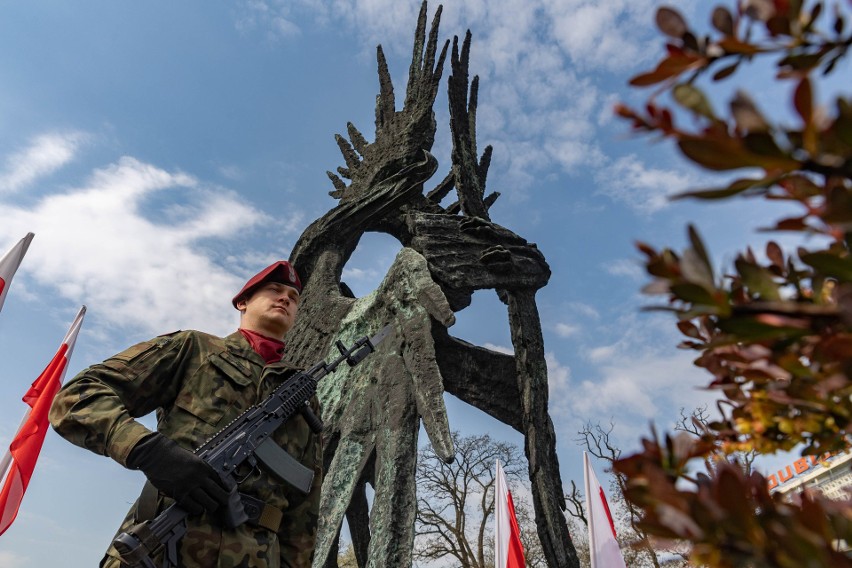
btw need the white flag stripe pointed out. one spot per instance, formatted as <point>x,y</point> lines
<point>70,340</point>
<point>508,549</point>
<point>19,464</point>
<point>501,519</point>
<point>603,547</point>
<point>16,494</point>
<point>9,264</point>
<point>71,337</point>
<point>7,457</point>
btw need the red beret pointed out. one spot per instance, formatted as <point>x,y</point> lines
<point>281,271</point>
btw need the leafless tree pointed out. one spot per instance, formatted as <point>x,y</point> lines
<point>637,547</point>
<point>455,503</point>
<point>697,424</point>
<point>346,558</point>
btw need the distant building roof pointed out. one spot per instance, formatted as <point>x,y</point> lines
<point>831,475</point>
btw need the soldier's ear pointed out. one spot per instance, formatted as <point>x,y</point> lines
<point>241,304</point>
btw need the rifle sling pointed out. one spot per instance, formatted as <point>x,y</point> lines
<point>147,506</point>
<point>259,512</point>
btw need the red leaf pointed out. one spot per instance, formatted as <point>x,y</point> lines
<point>803,99</point>
<point>669,67</point>
<point>671,22</point>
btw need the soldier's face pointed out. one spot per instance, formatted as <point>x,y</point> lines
<point>270,310</point>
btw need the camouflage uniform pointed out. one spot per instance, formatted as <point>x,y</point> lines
<point>197,383</point>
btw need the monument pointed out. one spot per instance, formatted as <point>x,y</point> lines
<point>373,413</point>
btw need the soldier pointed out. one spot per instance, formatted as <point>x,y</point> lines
<point>198,383</point>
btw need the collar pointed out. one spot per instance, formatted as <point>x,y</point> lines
<point>270,349</point>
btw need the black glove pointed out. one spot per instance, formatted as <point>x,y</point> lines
<point>180,474</point>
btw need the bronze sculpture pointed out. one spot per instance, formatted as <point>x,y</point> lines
<point>373,414</point>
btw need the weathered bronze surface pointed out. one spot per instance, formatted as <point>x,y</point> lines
<point>373,413</point>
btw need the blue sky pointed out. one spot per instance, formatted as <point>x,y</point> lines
<point>162,152</point>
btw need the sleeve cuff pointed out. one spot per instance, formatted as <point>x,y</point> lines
<point>124,438</point>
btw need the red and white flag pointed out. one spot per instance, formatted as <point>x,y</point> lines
<point>603,546</point>
<point>9,264</point>
<point>18,464</point>
<point>508,550</point>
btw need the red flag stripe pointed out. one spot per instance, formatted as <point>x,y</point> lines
<point>13,492</point>
<point>27,443</point>
<point>515,557</point>
<point>608,514</point>
<point>508,549</point>
<point>604,550</point>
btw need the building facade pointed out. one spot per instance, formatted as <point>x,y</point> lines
<point>831,474</point>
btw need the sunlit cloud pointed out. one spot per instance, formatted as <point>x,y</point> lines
<point>643,188</point>
<point>540,63</point>
<point>100,245</point>
<point>584,310</point>
<point>566,329</point>
<point>625,267</point>
<point>558,375</point>
<point>499,348</point>
<point>273,18</point>
<point>637,378</point>
<point>42,156</point>
<point>11,560</point>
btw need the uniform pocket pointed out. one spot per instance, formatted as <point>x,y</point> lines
<point>221,389</point>
<point>137,354</point>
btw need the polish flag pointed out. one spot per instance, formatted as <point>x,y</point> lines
<point>9,264</point>
<point>603,546</point>
<point>508,551</point>
<point>19,462</point>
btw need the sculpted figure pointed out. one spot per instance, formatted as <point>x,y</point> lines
<point>372,414</point>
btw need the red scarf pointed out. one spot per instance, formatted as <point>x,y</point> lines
<point>272,350</point>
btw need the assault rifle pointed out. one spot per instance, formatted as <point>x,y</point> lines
<point>245,440</point>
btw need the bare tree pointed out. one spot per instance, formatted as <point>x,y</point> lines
<point>455,503</point>
<point>346,558</point>
<point>698,424</point>
<point>638,548</point>
<point>580,534</point>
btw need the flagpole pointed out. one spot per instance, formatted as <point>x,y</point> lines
<point>604,550</point>
<point>27,443</point>
<point>10,262</point>
<point>7,457</point>
<point>586,468</point>
<point>70,339</point>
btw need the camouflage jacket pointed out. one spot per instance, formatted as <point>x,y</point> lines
<point>197,384</point>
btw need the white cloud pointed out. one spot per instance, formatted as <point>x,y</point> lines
<point>566,329</point>
<point>352,273</point>
<point>499,348</point>
<point>558,375</point>
<point>11,560</point>
<point>639,378</point>
<point>43,155</point>
<point>136,265</point>
<point>642,188</point>
<point>585,310</point>
<point>625,267</point>
<point>603,353</point>
<point>273,17</point>
<point>639,386</point>
<point>541,63</point>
